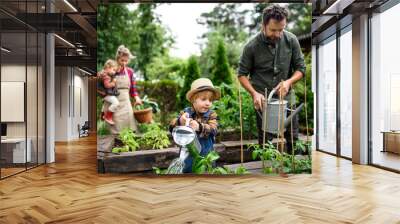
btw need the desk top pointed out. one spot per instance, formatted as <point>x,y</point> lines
<point>13,140</point>
<point>391,132</point>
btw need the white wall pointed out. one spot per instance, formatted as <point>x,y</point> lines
<point>61,103</point>
<point>16,73</point>
<point>71,102</point>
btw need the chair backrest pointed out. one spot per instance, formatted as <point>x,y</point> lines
<point>86,125</point>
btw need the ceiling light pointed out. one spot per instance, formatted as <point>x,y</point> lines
<point>70,5</point>
<point>86,72</point>
<point>65,41</point>
<point>5,50</point>
<point>338,6</point>
<point>330,8</point>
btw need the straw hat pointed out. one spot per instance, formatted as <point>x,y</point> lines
<point>202,84</point>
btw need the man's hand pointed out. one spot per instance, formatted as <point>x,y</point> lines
<point>283,88</point>
<point>258,100</point>
<point>138,101</point>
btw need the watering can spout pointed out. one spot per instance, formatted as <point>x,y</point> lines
<point>288,119</point>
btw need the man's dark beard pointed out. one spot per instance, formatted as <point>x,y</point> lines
<point>275,40</point>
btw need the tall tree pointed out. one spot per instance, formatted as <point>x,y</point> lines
<point>221,72</point>
<point>228,19</point>
<point>192,72</point>
<point>233,51</point>
<point>300,18</point>
<point>114,23</point>
<point>151,37</point>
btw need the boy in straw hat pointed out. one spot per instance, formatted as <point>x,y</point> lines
<point>201,118</point>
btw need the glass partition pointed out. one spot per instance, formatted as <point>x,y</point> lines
<point>385,89</point>
<point>327,95</point>
<point>22,89</point>
<point>345,93</point>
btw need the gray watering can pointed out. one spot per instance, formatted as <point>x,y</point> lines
<point>183,136</point>
<point>270,113</point>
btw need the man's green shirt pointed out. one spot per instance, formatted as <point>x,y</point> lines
<point>267,63</point>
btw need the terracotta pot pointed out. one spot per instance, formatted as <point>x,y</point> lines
<point>144,116</point>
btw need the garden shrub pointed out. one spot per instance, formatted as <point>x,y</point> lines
<point>164,92</point>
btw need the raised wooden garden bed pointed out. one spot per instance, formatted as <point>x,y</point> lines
<point>145,160</point>
<point>254,167</point>
<point>139,161</point>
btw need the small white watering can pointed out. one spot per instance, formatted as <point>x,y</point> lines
<point>183,136</point>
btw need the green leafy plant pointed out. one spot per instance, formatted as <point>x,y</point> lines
<point>159,171</point>
<point>221,170</point>
<point>155,137</point>
<point>303,165</point>
<point>300,87</point>
<point>148,104</point>
<point>204,165</point>
<point>102,128</point>
<point>274,161</point>
<point>144,127</point>
<point>227,108</point>
<point>124,148</point>
<point>241,170</point>
<point>129,139</point>
<point>249,115</point>
<point>300,146</point>
<point>265,153</point>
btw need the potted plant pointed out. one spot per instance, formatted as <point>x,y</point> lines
<point>105,140</point>
<point>144,113</point>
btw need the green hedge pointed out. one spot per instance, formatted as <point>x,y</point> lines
<point>164,92</point>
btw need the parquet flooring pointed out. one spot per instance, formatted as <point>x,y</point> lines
<point>71,191</point>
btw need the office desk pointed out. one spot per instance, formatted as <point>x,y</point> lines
<point>391,141</point>
<point>13,150</point>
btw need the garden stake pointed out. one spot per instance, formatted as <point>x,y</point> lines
<point>281,129</point>
<point>305,102</point>
<point>266,120</point>
<point>280,111</point>
<point>265,115</point>
<point>291,125</point>
<point>279,126</point>
<point>241,124</point>
<point>282,123</point>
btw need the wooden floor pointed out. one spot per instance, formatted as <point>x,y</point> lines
<point>10,171</point>
<point>71,191</point>
<point>386,159</point>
